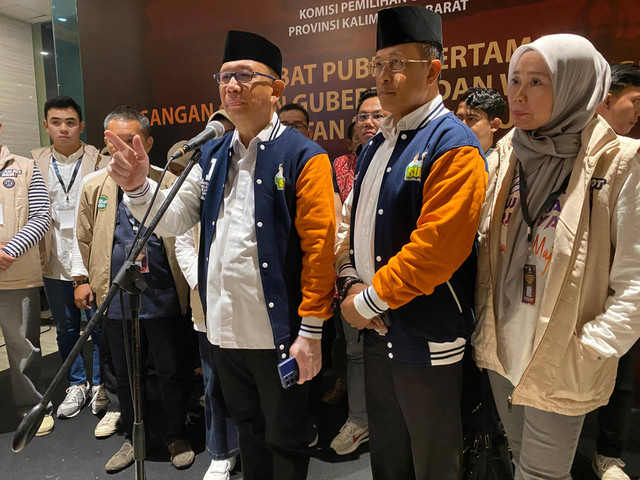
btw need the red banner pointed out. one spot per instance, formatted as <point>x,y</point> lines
<point>159,56</point>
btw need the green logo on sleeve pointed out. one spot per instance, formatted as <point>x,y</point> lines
<point>102,202</point>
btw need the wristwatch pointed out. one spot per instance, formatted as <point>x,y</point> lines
<point>77,283</point>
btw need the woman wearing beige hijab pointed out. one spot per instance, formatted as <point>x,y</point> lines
<point>557,293</point>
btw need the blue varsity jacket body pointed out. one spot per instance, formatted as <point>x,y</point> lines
<point>430,329</point>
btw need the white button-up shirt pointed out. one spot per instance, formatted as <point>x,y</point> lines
<point>62,240</point>
<point>236,308</point>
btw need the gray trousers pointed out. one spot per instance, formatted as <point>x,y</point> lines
<point>20,323</point>
<point>355,375</point>
<point>543,443</point>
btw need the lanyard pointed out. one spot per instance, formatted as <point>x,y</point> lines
<point>4,166</point>
<point>135,224</point>
<point>547,204</point>
<point>66,189</point>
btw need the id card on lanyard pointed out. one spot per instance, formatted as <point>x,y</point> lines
<point>66,213</point>
<point>529,275</point>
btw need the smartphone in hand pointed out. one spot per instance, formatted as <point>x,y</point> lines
<point>288,371</point>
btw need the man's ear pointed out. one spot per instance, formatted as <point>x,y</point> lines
<point>435,67</point>
<point>278,89</point>
<point>148,144</point>
<point>494,124</point>
<point>81,127</point>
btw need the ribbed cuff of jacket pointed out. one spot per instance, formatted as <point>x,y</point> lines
<point>311,327</point>
<point>143,194</point>
<point>368,303</point>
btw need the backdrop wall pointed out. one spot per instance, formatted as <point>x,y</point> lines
<point>159,56</point>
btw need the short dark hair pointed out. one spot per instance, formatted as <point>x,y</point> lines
<point>294,106</point>
<point>486,99</point>
<point>62,101</point>
<point>624,75</point>
<point>128,114</point>
<point>367,94</point>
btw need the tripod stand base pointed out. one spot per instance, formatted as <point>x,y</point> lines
<point>28,427</point>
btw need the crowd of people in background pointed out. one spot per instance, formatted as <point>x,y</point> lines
<point>428,247</point>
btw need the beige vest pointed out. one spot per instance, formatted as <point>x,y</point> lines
<point>97,210</point>
<point>25,272</point>
<point>92,160</point>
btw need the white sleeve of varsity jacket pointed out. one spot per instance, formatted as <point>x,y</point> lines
<point>615,330</point>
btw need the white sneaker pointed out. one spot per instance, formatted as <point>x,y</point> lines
<point>77,396</point>
<point>220,469</point>
<point>609,468</point>
<point>108,425</point>
<point>349,438</point>
<point>99,400</point>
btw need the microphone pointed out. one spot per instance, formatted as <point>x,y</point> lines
<point>213,130</point>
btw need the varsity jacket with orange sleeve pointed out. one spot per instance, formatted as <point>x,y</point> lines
<point>294,224</point>
<point>424,249</point>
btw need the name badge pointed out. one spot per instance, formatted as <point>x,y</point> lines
<point>529,284</point>
<point>67,219</point>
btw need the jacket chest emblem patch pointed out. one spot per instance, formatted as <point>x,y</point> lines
<point>11,172</point>
<point>9,182</point>
<point>279,178</point>
<point>102,202</point>
<point>413,172</point>
<point>204,185</point>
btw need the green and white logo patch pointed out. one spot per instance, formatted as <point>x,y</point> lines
<point>102,202</point>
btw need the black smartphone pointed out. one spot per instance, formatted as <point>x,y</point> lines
<point>288,371</point>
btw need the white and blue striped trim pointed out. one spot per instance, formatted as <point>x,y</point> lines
<point>448,352</point>
<point>140,192</point>
<point>311,327</point>
<point>435,113</point>
<point>368,303</point>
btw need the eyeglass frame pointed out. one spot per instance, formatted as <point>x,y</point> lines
<point>216,76</point>
<point>296,125</point>
<point>369,116</point>
<point>387,63</point>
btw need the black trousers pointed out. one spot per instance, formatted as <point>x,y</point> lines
<point>165,337</point>
<point>415,429</point>
<point>614,418</point>
<point>271,420</point>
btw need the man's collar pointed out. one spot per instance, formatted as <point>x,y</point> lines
<point>390,127</point>
<point>271,130</point>
<point>71,158</point>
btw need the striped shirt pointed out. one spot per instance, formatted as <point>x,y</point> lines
<point>39,219</point>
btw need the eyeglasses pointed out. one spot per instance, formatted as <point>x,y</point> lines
<point>242,76</point>
<point>301,127</point>
<point>395,65</point>
<point>362,118</point>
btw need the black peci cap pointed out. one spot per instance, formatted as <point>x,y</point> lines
<point>249,46</point>
<point>410,24</point>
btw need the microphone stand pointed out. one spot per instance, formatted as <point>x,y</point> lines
<point>129,279</point>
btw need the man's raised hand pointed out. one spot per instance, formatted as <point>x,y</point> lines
<point>128,166</point>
